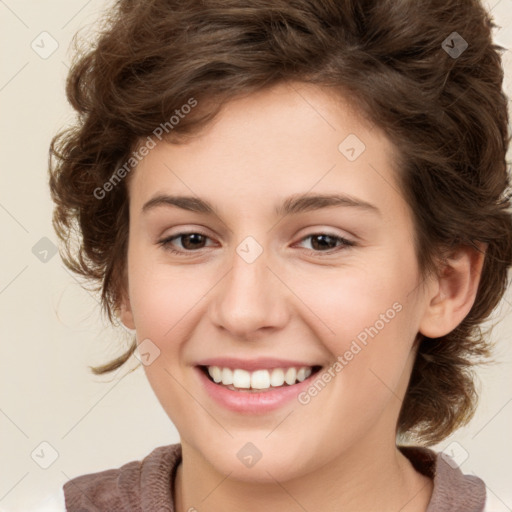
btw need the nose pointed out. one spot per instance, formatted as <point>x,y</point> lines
<point>251,300</point>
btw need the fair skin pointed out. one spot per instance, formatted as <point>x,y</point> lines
<point>338,451</point>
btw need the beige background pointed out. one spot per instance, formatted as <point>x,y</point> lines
<point>51,329</point>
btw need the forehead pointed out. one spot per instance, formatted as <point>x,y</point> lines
<point>290,139</point>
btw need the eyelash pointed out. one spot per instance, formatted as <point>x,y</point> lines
<point>166,243</point>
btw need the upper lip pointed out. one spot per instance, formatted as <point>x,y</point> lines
<point>262,363</point>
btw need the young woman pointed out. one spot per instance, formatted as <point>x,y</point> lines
<point>300,207</point>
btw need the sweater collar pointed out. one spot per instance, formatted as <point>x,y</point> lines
<point>453,491</point>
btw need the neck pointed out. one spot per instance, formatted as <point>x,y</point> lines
<point>379,479</point>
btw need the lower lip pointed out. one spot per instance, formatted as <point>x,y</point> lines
<point>253,402</point>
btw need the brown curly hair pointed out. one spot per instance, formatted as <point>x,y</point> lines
<point>445,112</point>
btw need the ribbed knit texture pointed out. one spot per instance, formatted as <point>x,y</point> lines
<point>453,491</point>
<point>137,486</point>
<point>145,486</point>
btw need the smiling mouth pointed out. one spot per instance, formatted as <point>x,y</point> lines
<point>260,380</point>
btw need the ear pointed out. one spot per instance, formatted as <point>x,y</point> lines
<point>125,312</point>
<point>454,290</point>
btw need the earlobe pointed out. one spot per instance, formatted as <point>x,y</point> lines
<point>455,291</point>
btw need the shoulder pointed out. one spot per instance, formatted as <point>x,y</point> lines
<point>126,487</point>
<point>453,490</point>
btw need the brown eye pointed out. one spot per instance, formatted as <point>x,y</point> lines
<point>192,241</point>
<point>327,243</point>
<point>320,242</point>
<point>189,242</point>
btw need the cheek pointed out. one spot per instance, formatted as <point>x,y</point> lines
<point>162,296</point>
<point>369,320</point>
<point>157,300</point>
<point>354,300</point>
<point>155,307</point>
<point>163,307</point>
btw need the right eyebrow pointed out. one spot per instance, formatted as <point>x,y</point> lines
<point>193,204</point>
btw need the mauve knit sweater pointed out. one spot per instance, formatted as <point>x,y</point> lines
<point>145,486</point>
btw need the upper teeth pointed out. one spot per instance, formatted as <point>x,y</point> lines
<point>259,379</point>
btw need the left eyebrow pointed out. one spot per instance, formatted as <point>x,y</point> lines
<point>309,202</point>
<point>292,205</point>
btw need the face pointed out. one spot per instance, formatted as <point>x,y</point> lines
<point>265,275</point>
